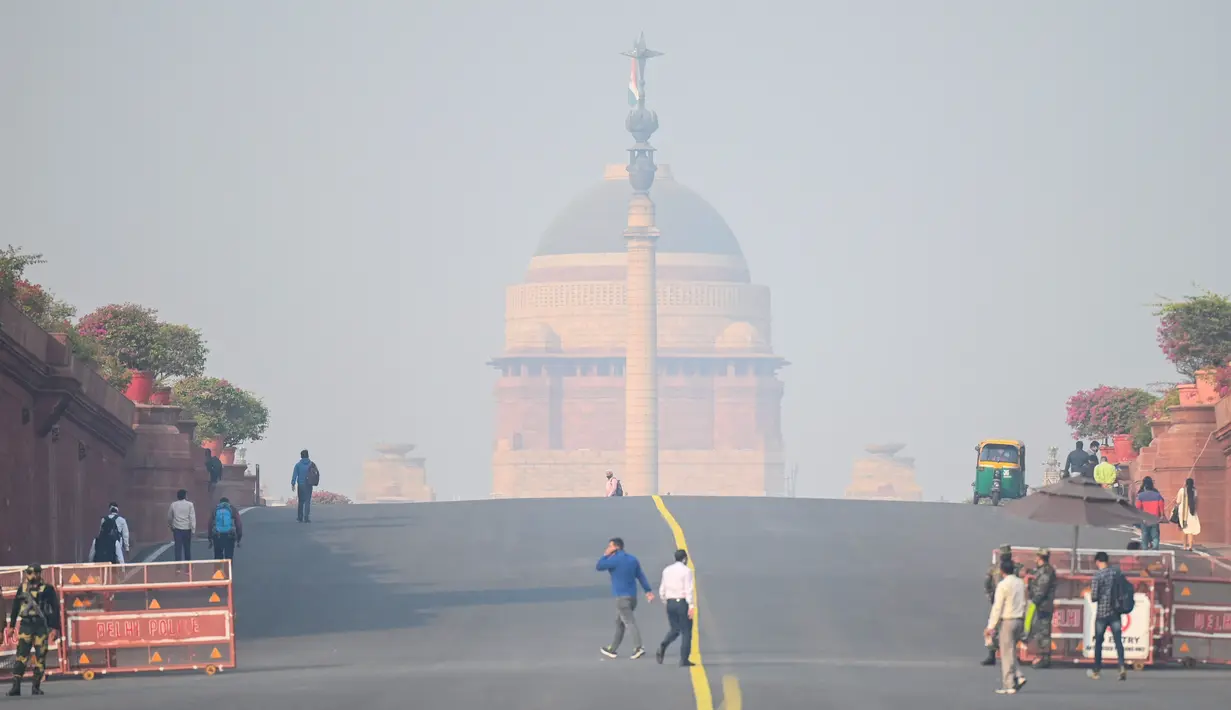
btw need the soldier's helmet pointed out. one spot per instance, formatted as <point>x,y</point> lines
<point>1044,553</point>
<point>1006,549</point>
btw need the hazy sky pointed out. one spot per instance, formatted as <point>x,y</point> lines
<point>963,208</point>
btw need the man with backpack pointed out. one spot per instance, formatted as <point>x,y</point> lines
<point>112,540</point>
<point>1113,594</point>
<point>213,465</point>
<point>305,477</point>
<point>615,488</point>
<point>225,530</point>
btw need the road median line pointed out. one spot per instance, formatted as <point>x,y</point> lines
<point>700,681</point>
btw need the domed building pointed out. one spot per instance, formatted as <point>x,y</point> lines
<point>561,397</point>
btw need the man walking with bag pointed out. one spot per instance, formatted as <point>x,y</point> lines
<point>305,477</point>
<point>1113,595</point>
<point>225,530</point>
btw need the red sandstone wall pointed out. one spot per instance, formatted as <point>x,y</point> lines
<point>1187,445</point>
<point>55,487</point>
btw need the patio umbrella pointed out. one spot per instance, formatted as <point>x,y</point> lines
<point>1077,501</point>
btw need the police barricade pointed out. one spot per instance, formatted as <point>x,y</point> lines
<point>10,578</point>
<point>159,616</point>
<point>1201,610</point>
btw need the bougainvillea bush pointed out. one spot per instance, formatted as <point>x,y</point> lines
<point>179,351</point>
<point>1195,334</point>
<point>1104,412</point>
<point>221,410</point>
<point>127,332</point>
<point>329,498</point>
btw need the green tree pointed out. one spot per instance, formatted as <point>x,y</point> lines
<point>222,410</point>
<point>13,264</point>
<point>178,351</point>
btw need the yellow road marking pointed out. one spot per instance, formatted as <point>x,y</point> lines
<point>700,681</point>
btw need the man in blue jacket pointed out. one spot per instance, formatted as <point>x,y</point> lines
<point>305,477</point>
<point>625,573</point>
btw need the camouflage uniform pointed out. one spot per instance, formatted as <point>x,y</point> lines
<point>38,610</point>
<point>1043,595</point>
<point>989,586</point>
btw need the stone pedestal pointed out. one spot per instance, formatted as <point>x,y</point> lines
<point>884,476</point>
<point>393,477</point>
<point>161,461</point>
<point>237,486</point>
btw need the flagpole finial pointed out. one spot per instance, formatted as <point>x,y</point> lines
<point>641,121</point>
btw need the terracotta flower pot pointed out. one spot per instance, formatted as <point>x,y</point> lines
<point>227,456</point>
<point>161,396</point>
<point>140,387</point>
<point>1188,395</point>
<point>214,445</point>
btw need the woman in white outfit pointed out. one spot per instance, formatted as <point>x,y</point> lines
<point>1186,506</point>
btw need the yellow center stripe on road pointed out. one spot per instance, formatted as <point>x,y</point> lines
<point>700,681</point>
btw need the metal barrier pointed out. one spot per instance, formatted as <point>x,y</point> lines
<point>160,616</point>
<point>1182,612</point>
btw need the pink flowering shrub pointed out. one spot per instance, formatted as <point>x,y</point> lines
<point>1195,334</point>
<point>1103,412</point>
<point>329,498</point>
<point>128,332</point>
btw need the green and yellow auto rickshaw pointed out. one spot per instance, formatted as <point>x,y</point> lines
<point>1000,470</point>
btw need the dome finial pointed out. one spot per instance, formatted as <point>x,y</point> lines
<point>641,122</point>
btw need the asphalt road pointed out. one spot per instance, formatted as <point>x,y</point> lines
<point>496,604</point>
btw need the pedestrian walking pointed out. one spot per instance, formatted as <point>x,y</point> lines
<point>305,477</point>
<point>1043,596</point>
<point>1185,513</point>
<point>112,541</point>
<point>676,590</point>
<point>182,519</point>
<point>626,573</point>
<point>1007,616</point>
<point>35,617</point>
<point>1152,503</point>
<point>225,530</point>
<point>213,465</point>
<point>1107,590</point>
<point>615,488</point>
<point>989,587</point>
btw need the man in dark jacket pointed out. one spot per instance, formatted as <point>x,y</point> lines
<point>1076,461</point>
<point>1043,596</point>
<point>35,616</point>
<point>625,573</point>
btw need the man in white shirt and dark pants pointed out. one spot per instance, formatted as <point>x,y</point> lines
<point>1009,614</point>
<point>676,590</point>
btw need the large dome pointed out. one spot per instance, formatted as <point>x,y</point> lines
<point>594,222</point>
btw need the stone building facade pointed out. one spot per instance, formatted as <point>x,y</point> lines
<point>560,395</point>
<point>884,476</point>
<point>395,477</point>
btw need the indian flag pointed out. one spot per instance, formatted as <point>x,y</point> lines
<point>633,96</point>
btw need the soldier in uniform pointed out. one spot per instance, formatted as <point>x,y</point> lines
<point>36,613</point>
<point>1043,596</point>
<point>989,586</point>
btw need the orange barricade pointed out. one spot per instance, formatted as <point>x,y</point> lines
<point>1182,611</point>
<point>10,578</point>
<point>159,616</point>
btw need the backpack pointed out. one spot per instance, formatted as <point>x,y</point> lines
<point>108,536</point>
<point>1123,596</point>
<point>314,475</point>
<point>619,491</point>
<point>224,520</point>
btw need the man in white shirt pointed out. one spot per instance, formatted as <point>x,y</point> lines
<point>1008,614</point>
<point>182,519</point>
<point>676,590</point>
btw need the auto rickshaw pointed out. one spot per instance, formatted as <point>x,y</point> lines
<point>1000,470</point>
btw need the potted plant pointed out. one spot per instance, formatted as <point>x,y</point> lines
<point>127,334</point>
<point>226,415</point>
